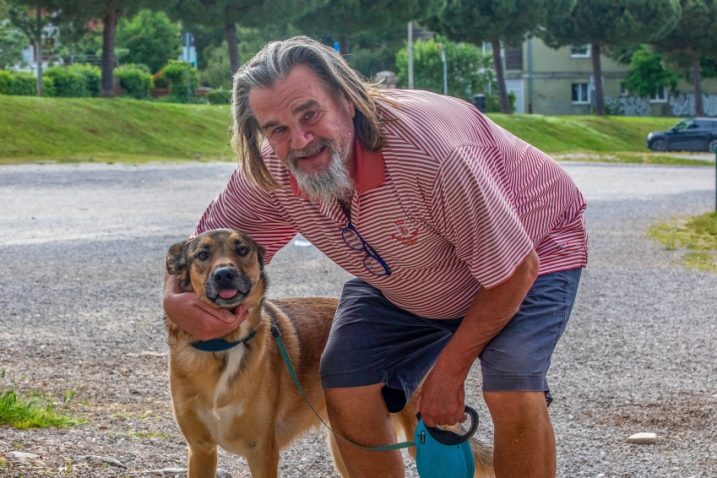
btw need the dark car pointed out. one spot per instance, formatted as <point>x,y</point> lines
<point>695,134</point>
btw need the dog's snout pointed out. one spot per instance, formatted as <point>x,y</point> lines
<point>224,276</point>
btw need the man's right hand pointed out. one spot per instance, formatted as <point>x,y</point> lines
<point>196,317</point>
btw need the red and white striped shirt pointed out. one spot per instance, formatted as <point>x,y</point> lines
<point>452,202</point>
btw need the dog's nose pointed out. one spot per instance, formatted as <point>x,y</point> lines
<point>224,276</point>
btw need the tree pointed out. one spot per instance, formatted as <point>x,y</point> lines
<point>605,24</point>
<point>12,42</point>
<point>227,14</point>
<point>694,37</point>
<point>648,74</point>
<point>338,20</point>
<point>151,38</point>
<point>32,17</point>
<point>495,21</point>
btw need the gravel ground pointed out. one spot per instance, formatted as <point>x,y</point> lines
<point>80,312</point>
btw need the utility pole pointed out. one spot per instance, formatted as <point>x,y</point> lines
<point>410,55</point>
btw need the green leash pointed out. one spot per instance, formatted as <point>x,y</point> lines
<point>292,373</point>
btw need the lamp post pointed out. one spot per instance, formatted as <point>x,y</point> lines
<point>442,51</point>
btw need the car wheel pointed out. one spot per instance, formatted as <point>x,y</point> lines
<point>712,145</point>
<point>658,145</point>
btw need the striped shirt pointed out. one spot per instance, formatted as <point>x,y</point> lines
<point>451,202</point>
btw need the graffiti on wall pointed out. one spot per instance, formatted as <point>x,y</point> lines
<point>680,105</point>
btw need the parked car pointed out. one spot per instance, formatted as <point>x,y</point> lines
<point>694,134</point>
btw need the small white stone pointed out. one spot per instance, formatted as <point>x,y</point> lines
<point>21,455</point>
<point>643,438</point>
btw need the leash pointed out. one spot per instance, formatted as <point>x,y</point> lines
<point>292,373</point>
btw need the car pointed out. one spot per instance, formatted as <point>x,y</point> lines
<point>693,134</point>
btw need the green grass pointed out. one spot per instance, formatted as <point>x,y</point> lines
<point>696,237</point>
<point>132,131</point>
<point>107,130</point>
<point>35,412</point>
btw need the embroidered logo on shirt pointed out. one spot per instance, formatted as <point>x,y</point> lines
<point>407,234</point>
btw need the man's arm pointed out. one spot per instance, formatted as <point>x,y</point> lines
<point>442,395</point>
<point>194,316</point>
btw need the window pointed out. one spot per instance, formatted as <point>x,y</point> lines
<point>580,93</point>
<point>659,96</point>
<point>580,51</point>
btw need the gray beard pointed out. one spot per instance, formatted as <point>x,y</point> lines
<point>333,183</point>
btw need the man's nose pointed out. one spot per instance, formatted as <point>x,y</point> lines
<point>300,138</point>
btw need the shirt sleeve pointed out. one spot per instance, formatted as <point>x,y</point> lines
<point>245,207</point>
<point>472,211</point>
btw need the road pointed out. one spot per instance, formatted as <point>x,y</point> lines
<point>82,257</point>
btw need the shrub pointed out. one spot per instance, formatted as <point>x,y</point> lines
<point>17,83</point>
<point>92,75</point>
<point>135,80</point>
<point>219,96</point>
<point>182,79</point>
<point>68,82</point>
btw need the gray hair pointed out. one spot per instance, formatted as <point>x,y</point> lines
<point>274,62</point>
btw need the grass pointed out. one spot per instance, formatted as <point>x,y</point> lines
<point>35,412</point>
<point>696,237</point>
<point>132,131</point>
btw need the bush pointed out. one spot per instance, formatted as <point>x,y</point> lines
<point>92,76</point>
<point>68,82</point>
<point>182,79</point>
<point>219,96</point>
<point>135,80</point>
<point>17,83</point>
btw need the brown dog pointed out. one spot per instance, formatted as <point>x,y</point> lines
<point>243,398</point>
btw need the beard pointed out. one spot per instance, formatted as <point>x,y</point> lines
<point>332,183</point>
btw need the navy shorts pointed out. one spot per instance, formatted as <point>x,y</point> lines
<point>372,341</point>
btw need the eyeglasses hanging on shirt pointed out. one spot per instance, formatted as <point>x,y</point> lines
<point>372,261</point>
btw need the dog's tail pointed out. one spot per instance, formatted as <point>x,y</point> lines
<point>483,457</point>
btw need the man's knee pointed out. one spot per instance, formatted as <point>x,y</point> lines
<point>517,408</point>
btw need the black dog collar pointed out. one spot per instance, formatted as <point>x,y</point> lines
<point>219,345</point>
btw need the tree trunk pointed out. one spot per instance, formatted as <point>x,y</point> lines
<point>697,82</point>
<point>38,49</point>
<point>344,45</point>
<point>230,35</point>
<point>109,21</point>
<point>500,77</point>
<point>597,74</point>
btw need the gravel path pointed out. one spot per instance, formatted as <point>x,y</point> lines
<point>80,312</point>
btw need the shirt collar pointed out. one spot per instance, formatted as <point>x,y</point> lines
<point>368,170</point>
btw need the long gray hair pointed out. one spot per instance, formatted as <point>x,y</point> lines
<point>273,63</point>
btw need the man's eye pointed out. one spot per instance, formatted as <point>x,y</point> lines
<point>203,256</point>
<point>276,132</point>
<point>309,115</point>
<point>242,250</point>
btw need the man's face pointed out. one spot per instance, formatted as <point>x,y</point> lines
<point>310,130</point>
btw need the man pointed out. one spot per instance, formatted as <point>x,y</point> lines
<point>465,241</point>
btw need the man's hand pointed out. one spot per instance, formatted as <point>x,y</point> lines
<point>197,318</point>
<point>442,398</point>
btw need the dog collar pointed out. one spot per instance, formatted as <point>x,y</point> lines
<point>219,345</point>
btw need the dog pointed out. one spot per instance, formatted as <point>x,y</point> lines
<point>243,398</point>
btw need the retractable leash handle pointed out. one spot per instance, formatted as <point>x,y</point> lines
<point>443,453</point>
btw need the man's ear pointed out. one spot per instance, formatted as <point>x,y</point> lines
<point>177,257</point>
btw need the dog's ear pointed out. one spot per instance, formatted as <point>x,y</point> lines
<point>260,252</point>
<point>177,257</point>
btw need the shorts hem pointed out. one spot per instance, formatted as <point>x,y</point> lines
<point>523,383</point>
<point>351,379</point>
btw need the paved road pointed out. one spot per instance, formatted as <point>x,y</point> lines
<point>82,254</point>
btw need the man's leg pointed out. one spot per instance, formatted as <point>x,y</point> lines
<point>360,414</point>
<point>524,443</point>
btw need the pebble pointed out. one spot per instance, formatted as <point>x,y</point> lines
<point>21,455</point>
<point>643,438</point>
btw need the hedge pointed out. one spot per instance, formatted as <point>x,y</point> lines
<point>135,80</point>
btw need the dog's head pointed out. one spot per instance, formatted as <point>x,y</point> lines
<point>223,267</point>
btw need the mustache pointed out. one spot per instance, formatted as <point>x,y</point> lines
<point>310,149</point>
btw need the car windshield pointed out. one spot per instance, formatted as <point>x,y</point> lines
<point>683,125</point>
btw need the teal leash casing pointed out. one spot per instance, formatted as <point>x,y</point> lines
<point>444,454</point>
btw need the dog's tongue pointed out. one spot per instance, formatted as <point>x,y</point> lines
<point>228,293</point>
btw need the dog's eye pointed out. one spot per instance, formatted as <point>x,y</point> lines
<point>242,250</point>
<point>203,256</point>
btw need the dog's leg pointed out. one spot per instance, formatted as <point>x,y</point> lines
<point>336,455</point>
<point>202,460</point>
<point>264,462</point>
